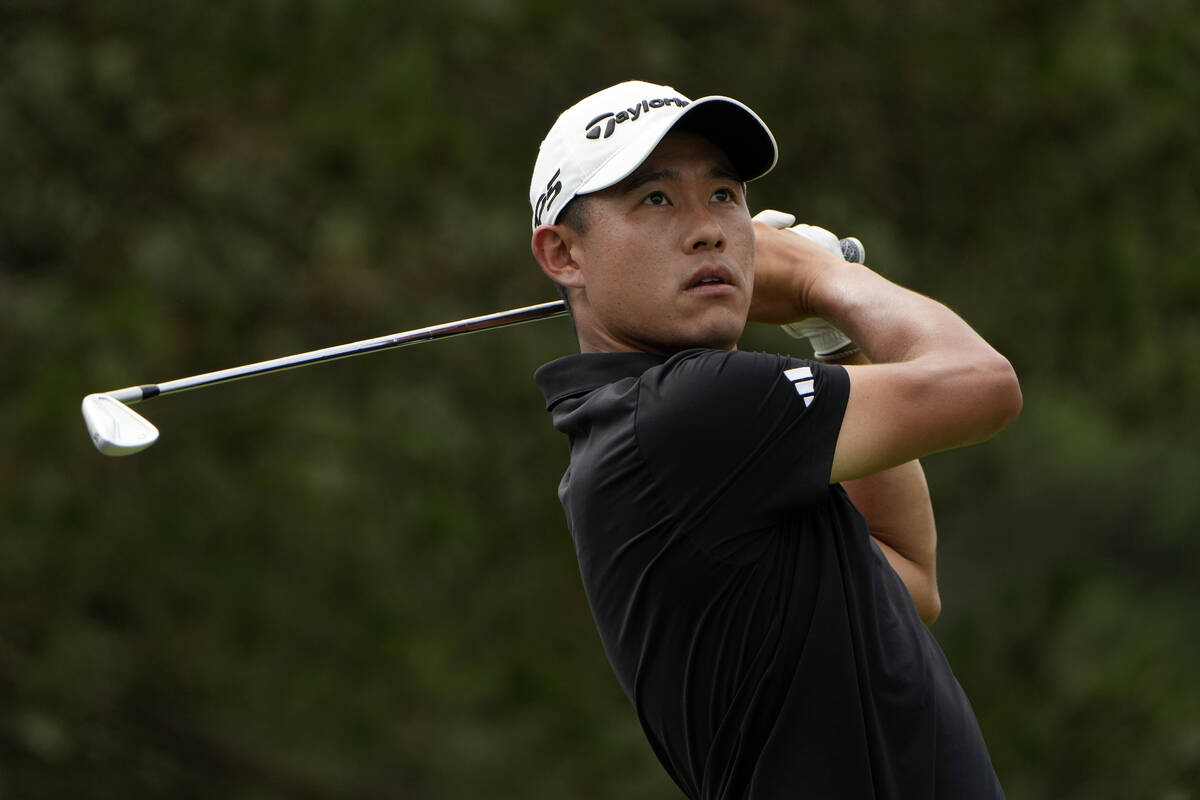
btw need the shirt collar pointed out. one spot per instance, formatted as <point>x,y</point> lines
<point>581,373</point>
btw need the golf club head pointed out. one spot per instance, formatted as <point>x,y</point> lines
<point>115,428</point>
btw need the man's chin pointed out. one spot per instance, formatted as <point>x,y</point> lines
<point>718,335</point>
<point>716,329</point>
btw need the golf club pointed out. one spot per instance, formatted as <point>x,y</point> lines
<point>118,430</point>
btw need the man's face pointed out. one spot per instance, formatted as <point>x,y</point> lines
<point>667,262</point>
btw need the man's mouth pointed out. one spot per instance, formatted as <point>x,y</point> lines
<point>710,279</point>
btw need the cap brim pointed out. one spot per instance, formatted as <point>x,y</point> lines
<point>731,126</point>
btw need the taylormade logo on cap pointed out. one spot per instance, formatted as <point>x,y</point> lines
<point>604,137</point>
<point>593,127</point>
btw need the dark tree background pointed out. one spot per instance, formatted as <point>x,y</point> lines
<point>355,581</point>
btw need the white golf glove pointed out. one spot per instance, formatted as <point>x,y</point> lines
<point>824,337</point>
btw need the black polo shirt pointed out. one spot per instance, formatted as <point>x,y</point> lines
<point>769,648</point>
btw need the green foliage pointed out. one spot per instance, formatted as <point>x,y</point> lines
<point>356,581</point>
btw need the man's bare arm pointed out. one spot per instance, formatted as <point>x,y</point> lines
<point>933,384</point>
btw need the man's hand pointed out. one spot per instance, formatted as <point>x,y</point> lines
<point>826,339</point>
<point>785,266</point>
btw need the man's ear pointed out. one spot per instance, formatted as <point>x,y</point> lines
<point>551,246</point>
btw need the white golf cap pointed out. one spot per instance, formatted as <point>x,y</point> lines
<point>601,139</point>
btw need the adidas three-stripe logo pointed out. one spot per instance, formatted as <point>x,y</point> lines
<point>802,379</point>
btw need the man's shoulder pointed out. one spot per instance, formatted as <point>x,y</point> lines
<point>725,378</point>
<point>730,365</point>
<point>697,374</point>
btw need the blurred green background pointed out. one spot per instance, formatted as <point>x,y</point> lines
<point>355,580</point>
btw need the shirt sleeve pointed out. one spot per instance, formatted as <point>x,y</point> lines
<point>736,438</point>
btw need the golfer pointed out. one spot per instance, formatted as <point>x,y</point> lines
<point>754,533</point>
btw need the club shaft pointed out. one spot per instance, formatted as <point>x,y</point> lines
<point>500,319</point>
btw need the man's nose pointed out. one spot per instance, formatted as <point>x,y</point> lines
<point>704,232</point>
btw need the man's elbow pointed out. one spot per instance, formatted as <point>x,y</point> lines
<point>1007,391</point>
<point>998,394</point>
<point>930,607</point>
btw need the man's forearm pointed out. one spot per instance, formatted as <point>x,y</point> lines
<point>892,324</point>
<point>964,390</point>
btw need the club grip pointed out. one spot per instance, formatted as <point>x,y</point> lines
<point>853,250</point>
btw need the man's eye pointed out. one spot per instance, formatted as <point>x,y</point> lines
<point>723,195</point>
<point>656,199</point>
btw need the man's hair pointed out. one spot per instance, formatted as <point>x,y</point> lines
<point>574,215</point>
